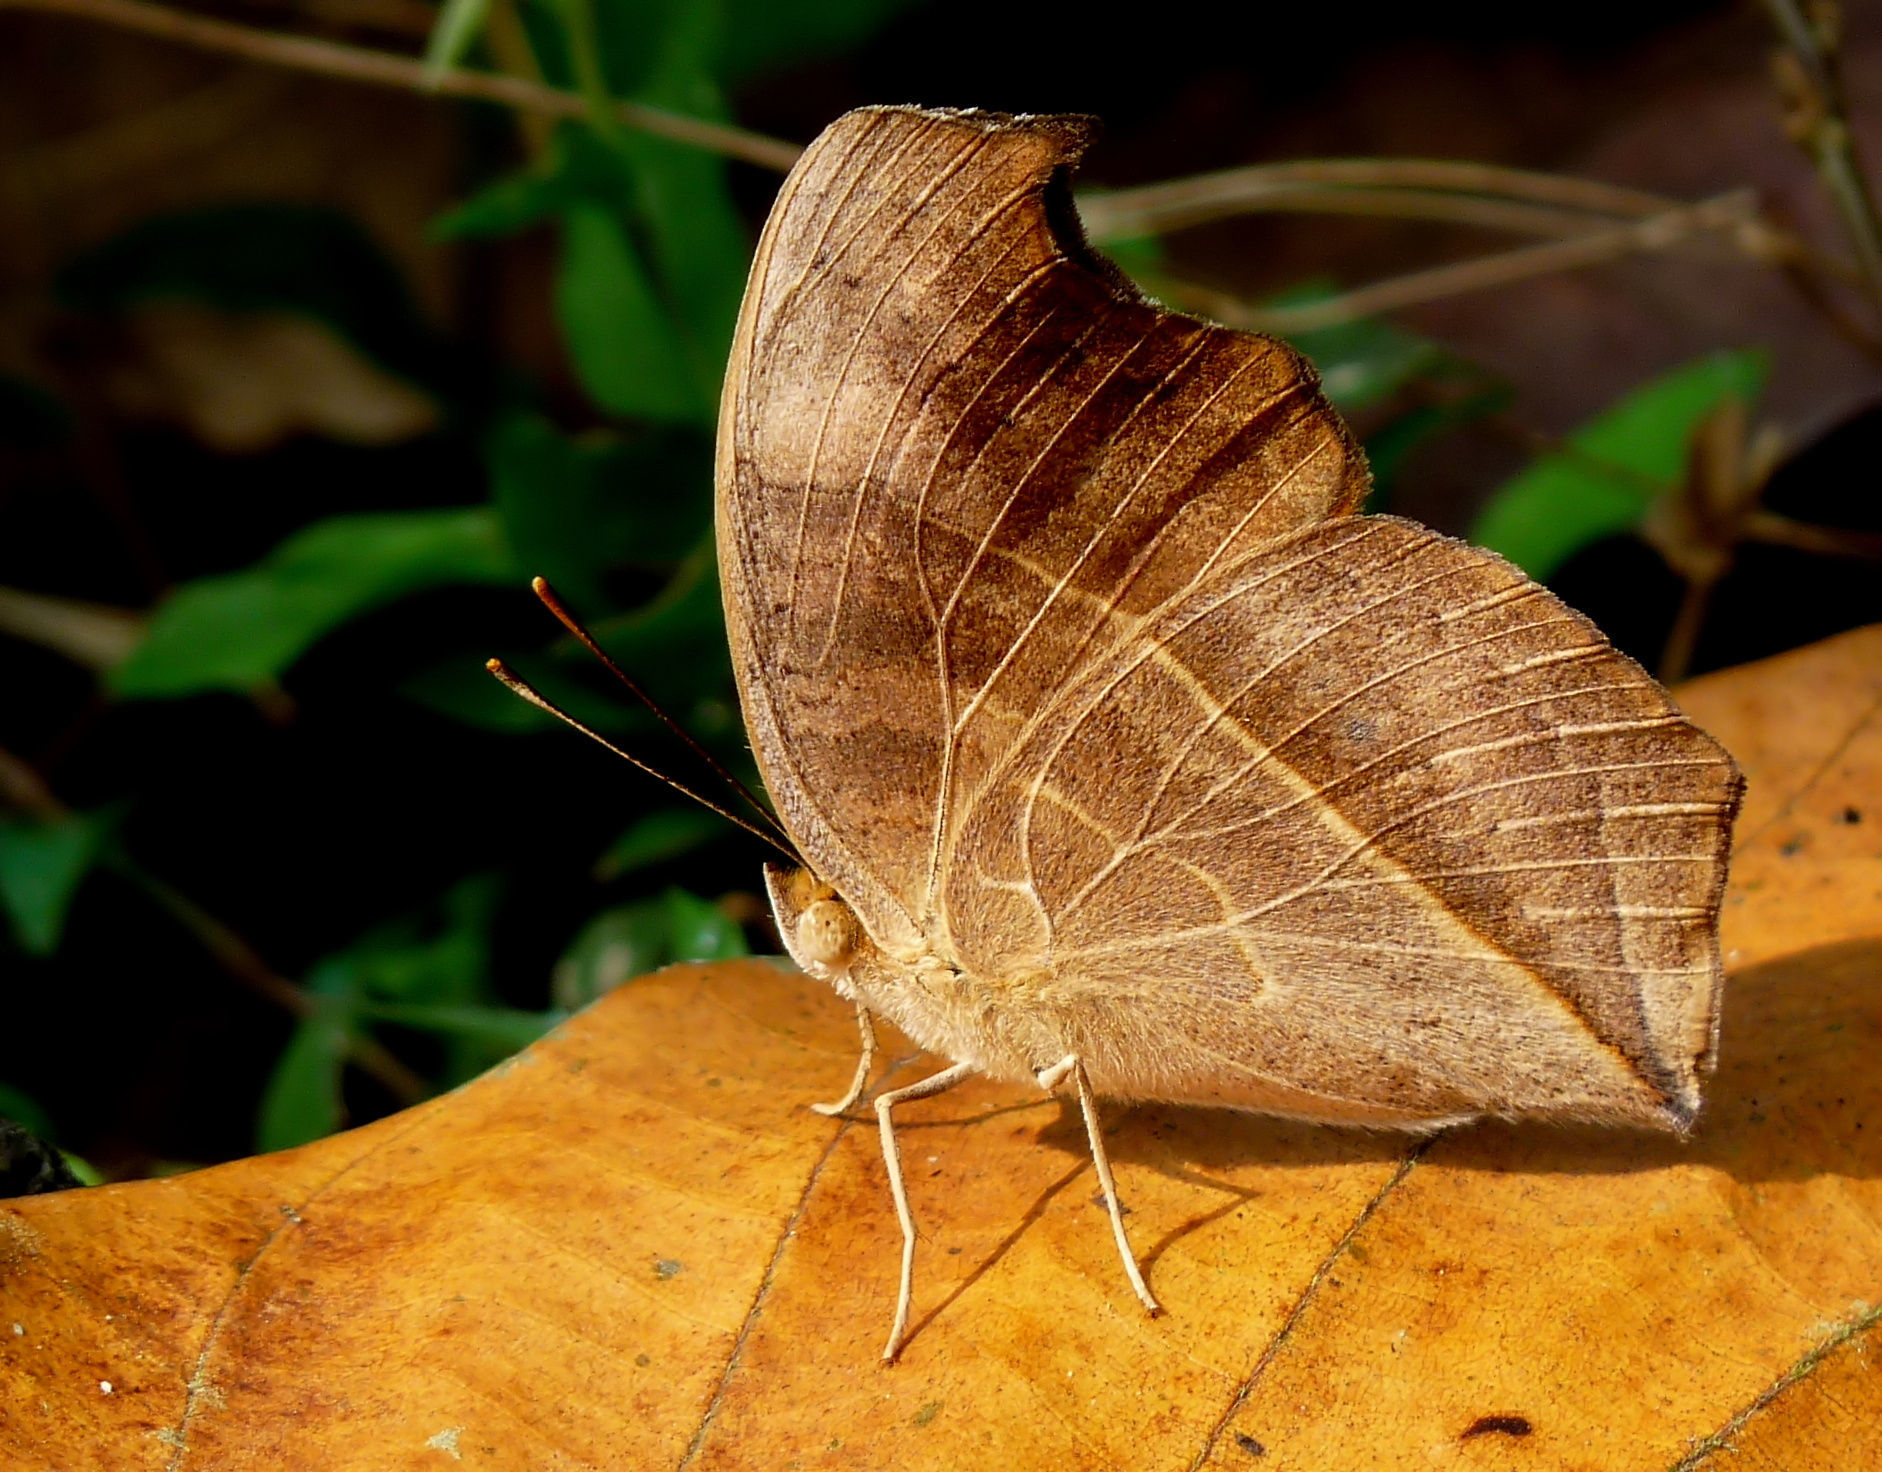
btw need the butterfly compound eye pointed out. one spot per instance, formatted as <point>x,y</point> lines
<point>827,934</point>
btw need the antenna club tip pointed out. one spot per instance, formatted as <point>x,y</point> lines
<point>496,667</point>
<point>537,585</point>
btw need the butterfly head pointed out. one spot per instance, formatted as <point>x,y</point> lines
<point>817,925</point>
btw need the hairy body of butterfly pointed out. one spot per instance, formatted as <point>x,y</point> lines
<point>1120,750</point>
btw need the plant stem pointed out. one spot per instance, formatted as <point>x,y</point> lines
<point>1174,203</point>
<point>1818,120</point>
<point>241,961</point>
<point>1655,233</point>
<point>383,69</point>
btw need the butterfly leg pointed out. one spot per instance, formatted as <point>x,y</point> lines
<point>1050,1079</point>
<point>861,1080</point>
<point>935,1084</point>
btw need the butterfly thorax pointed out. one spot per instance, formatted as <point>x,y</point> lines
<point>936,1003</point>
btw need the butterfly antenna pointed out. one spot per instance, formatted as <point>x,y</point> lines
<point>553,602</point>
<point>521,687</point>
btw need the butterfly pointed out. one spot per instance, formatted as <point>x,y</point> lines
<point>1123,755</point>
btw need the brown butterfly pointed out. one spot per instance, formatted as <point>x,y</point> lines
<point>1121,752</point>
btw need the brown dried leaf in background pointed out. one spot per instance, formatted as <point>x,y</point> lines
<point>634,1247</point>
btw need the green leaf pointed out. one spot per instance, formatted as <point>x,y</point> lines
<point>575,510</point>
<point>624,346</point>
<point>426,960</point>
<point>458,25</point>
<point>25,1111</point>
<point>1361,362</point>
<point>663,834</point>
<point>1619,463</point>
<point>506,206</point>
<point>503,1029</point>
<point>42,863</point>
<point>681,196</point>
<point>631,940</point>
<point>238,630</point>
<point>302,1099</point>
<point>698,930</point>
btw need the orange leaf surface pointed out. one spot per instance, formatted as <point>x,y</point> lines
<point>634,1247</point>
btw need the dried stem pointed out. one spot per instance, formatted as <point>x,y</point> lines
<point>1104,221</point>
<point>1810,77</point>
<point>1175,203</point>
<point>1803,536</point>
<point>242,962</point>
<point>1683,638</point>
<point>383,69</point>
<point>1727,212</point>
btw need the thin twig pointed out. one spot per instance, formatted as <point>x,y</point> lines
<point>1174,203</point>
<point>383,69</point>
<point>1827,541</point>
<point>242,962</point>
<point>1657,233</point>
<point>1103,221</point>
<point>1810,77</point>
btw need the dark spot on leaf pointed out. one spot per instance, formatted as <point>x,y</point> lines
<point>714,1083</point>
<point>642,1360</point>
<point>1248,1444</point>
<point>927,1413</point>
<point>1497,1426</point>
<point>1791,847</point>
<point>667,1267</point>
<point>1851,816</point>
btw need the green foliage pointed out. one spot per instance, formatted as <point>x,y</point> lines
<point>1361,363</point>
<point>239,630</point>
<point>431,974</point>
<point>1614,467</point>
<point>25,1111</point>
<point>42,863</point>
<point>663,834</point>
<point>302,1099</point>
<point>630,940</point>
<point>624,343</point>
<point>454,32</point>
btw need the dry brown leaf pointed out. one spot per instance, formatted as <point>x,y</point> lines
<point>635,1247</point>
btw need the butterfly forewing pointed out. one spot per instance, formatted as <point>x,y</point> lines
<point>959,456</point>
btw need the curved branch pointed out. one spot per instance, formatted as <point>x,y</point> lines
<point>408,74</point>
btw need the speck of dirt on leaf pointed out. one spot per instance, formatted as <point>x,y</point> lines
<point>715,1083</point>
<point>1851,816</point>
<point>105,1386</point>
<point>927,1413</point>
<point>446,1441</point>
<point>667,1267</point>
<point>642,1360</point>
<point>1248,1444</point>
<point>1497,1426</point>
